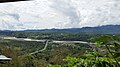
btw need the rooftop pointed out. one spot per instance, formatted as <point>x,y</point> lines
<point>2,57</point>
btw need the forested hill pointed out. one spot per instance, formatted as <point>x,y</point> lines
<point>108,29</point>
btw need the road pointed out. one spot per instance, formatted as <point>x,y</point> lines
<point>45,47</point>
<point>47,41</point>
<point>53,41</point>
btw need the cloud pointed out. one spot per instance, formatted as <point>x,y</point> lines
<point>102,12</point>
<point>91,13</point>
<point>67,8</point>
<point>42,14</point>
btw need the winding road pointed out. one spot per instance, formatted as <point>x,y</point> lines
<point>47,41</point>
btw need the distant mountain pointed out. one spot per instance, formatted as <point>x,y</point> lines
<point>107,29</point>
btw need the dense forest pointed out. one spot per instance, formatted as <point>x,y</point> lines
<point>104,53</point>
<point>49,35</point>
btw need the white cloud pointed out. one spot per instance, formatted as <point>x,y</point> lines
<point>69,10</point>
<point>40,14</point>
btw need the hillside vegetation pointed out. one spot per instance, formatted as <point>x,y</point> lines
<point>105,53</point>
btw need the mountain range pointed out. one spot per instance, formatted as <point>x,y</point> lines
<point>106,29</point>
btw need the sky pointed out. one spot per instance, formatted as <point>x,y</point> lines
<point>47,14</point>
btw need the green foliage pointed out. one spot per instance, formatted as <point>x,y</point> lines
<point>54,54</point>
<point>53,35</point>
<point>90,61</point>
<point>97,58</point>
<point>105,52</point>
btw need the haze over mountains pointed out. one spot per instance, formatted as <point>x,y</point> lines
<point>107,29</point>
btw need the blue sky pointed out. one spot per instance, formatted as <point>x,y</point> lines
<point>46,14</point>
